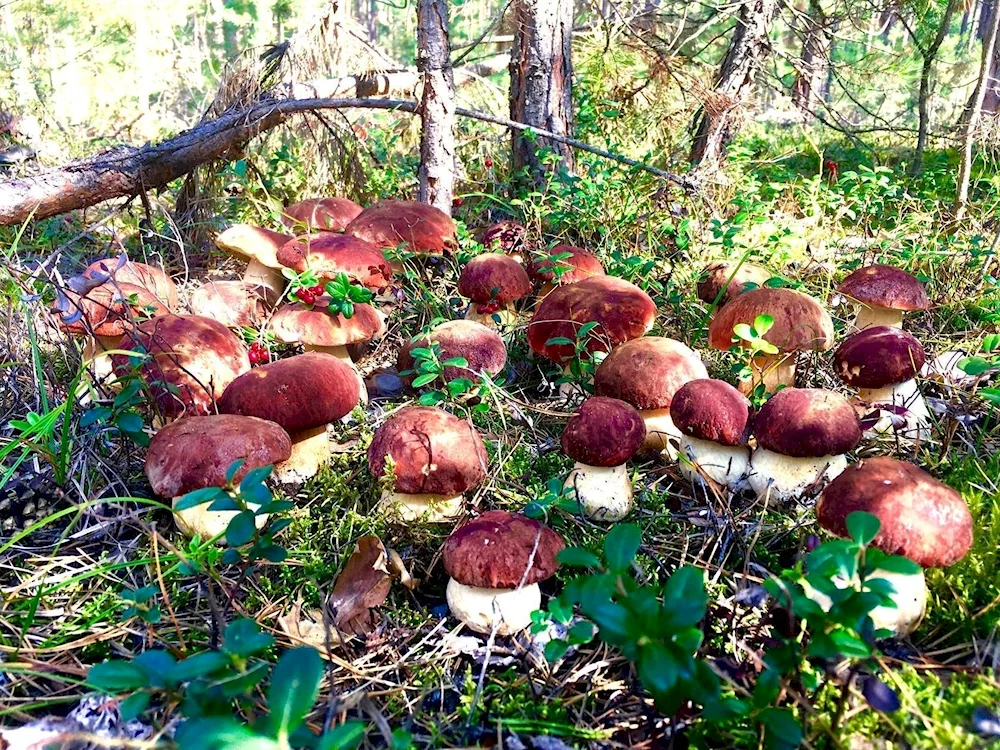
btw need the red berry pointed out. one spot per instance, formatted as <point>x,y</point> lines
<point>317,290</point>
<point>488,163</point>
<point>306,296</point>
<point>483,309</point>
<point>456,202</point>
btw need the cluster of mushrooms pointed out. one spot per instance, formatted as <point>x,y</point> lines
<point>218,401</point>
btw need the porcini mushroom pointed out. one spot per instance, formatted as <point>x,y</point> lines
<point>884,293</point>
<point>729,279</point>
<point>714,421</point>
<point>259,246</point>
<point>601,437</point>
<point>563,264</point>
<point>137,274</point>
<point>802,435</point>
<point>435,458</point>
<point>480,346</point>
<point>494,282</point>
<point>495,563</point>
<point>424,229</point>
<point>507,237</point>
<point>303,395</point>
<point>646,373</point>
<point>233,303</point>
<point>320,214</point>
<point>328,255</point>
<point>197,452</point>
<point>799,323</point>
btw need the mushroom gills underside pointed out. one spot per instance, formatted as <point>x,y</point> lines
<point>725,465</point>
<point>869,316</point>
<point>481,609</point>
<point>507,315</point>
<point>310,452</point>
<point>779,478</point>
<point>661,432</point>
<point>429,508</point>
<point>270,280</point>
<point>774,370</point>
<point>604,492</point>
<point>916,420</point>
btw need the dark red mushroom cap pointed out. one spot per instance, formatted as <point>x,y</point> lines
<point>315,326</point>
<point>480,346</point>
<point>328,254</point>
<point>885,286</point>
<point>647,372</point>
<point>504,236</point>
<point>807,423</point>
<point>605,432</point>
<point>425,229</point>
<point>800,322</point>
<point>321,214</point>
<point>621,310</point>
<point>190,361</point>
<point>711,410</point>
<point>112,309</point>
<point>493,276</point>
<point>299,393</point>
<point>501,550</point>
<point>879,356</point>
<point>922,519</point>
<point>579,265</point>
<point>196,452</point>
<point>726,275</point>
<point>434,452</point>
<point>137,274</point>
<point>232,303</point>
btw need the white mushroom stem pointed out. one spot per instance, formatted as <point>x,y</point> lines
<point>341,353</point>
<point>604,492</point>
<point>428,508</point>
<point>773,370</point>
<point>506,313</point>
<point>95,355</point>
<point>570,390</point>
<point>200,521</point>
<point>310,452</point>
<point>269,279</point>
<point>725,465</point>
<point>779,478</point>
<point>910,598</point>
<point>877,316</point>
<point>509,610</point>
<point>661,433</point>
<point>907,396</point>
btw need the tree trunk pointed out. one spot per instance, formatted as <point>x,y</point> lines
<point>541,77</point>
<point>437,106</point>
<point>811,77</point>
<point>965,169</point>
<point>747,53</point>
<point>990,101</point>
<point>929,56</point>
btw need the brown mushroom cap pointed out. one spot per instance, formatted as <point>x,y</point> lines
<point>711,410</point>
<point>493,276</point>
<point>807,423</point>
<point>138,274</point>
<point>505,236</point>
<point>321,214</point>
<point>621,310</point>
<point>252,243</point>
<point>885,286</point>
<point>479,345</point>
<point>232,303</point>
<point>299,393</point>
<point>196,452</point>
<point>647,372</point>
<point>111,309</point>
<point>605,432</point>
<point>328,254</point>
<point>581,264</point>
<point>800,322</point>
<point>726,275</point>
<point>495,550</point>
<point>434,452</point>
<point>922,519</point>
<point>315,326</point>
<point>425,229</point>
<point>879,356</point>
<point>191,361</point>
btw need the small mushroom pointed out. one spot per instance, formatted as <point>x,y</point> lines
<point>424,229</point>
<point>302,394</point>
<point>259,246</point>
<point>579,264</point>
<point>944,369</point>
<point>329,255</point>
<point>881,361</point>
<point>802,435</point>
<point>480,346</point>
<point>730,280</point>
<point>494,282</point>
<point>495,563</point>
<point>435,458</point>
<point>507,237</point>
<point>646,373</point>
<point>601,437</point>
<point>193,453</point>
<point>714,421</point>
<point>233,303</point>
<point>320,214</point>
<point>884,293</point>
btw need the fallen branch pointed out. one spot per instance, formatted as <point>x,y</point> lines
<point>128,171</point>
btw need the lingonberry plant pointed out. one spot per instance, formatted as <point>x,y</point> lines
<point>429,370</point>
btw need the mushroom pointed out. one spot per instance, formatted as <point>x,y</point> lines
<point>714,421</point>
<point>424,229</point>
<point>480,346</point>
<point>550,270</point>
<point>321,214</point>
<point>138,274</point>
<point>494,282</point>
<point>884,294</point>
<point>235,304</point>
<point>197,452</point>
<point>802,435</point>
<point>944,369</point>
<point>435,457</point>
<point>800,323</point>
<point>329,255</point>
<point>729,280</point>
<point>921,519</point>
<point>495,563</point>
<point>646,373</point>
<point>601,437</point>
<point>302,394</point>
<point>186,360</point>
<point>259,246</point>
<point>881,361</point>
<point>507,237</point>
<point>622,311</point>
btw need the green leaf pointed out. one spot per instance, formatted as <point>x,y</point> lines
<point>581,632</point>
<point>156,663</point>
<point>621,545</point>
<point>294,688</point>
<point>422,380</point>
<point>116,676</point>
<point>897,564</point>
<point>241,529</point>
<point>234,467</point>
<point>555,650</point>
<point>743,331</point>
<point>657,668</point>
<point>850,645</point>
<point>255,477</point>
<point>863,527</point>
<point>129,422</point>
<point>455,362</point>
<point>781,722</point>
<point>685,600</point>
<point>578,557</point>
<point>198,497</point>
<point>401,739</point>
<point>224,502</point>
<point>134,705</point>
<point>243,638</point>
<point>560,341</point>
<point>762,324</point>
<point>200,665</point>
<point>212,733</point>
<point>347,736</point>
